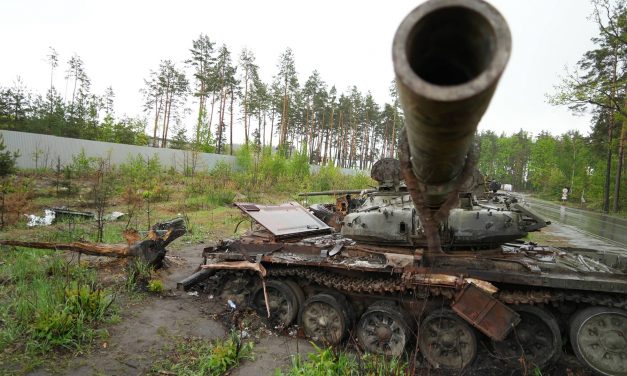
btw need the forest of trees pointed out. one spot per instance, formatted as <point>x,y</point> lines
<point>348,129</point>
<point>545,164</point>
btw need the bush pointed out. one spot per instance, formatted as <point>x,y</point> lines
<point>244,159</point>
<point>156,286</point>
<point>82,165</point>
<point>141,172</point>
<point>221,172</point>
<point>298,166</point>
<point>7,159</point>
<point>327,178</point>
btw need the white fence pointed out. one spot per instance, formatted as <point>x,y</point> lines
<point>43,151</point>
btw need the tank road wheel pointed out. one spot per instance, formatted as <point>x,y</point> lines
<point>298,292</point>
<point>598,336</point>
<point>537,336</point>
<point>324,319</point>
<point>446,341</point>
<point>282,301</point>
<point>383,329</point>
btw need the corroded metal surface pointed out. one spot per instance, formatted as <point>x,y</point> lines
<point>485,312</point>
<point>285,220</point>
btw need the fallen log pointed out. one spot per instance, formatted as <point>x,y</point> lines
<point>94,249</point>
<point>152,250</point>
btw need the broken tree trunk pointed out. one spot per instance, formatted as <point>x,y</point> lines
<point>94,249</point>
<point>151,249</point>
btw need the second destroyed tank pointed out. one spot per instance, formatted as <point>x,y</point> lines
<point>433,282</point>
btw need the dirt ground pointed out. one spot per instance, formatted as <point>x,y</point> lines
<point>147,327</point>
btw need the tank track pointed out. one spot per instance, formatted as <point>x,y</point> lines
<point>394,284</point>
<point>557,297</point>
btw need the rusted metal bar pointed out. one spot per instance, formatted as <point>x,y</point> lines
<point>194,279</point>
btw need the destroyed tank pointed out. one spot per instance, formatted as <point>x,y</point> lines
<point>387,215</point>
<point>522,298</point>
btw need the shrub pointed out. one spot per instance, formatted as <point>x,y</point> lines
<point>298,166</point>
<point>82,165</point>
<point>221,172</point>
<point>155,285</point>
<point>7,159</point>
<point>141,172</point>
<point>327,178</point>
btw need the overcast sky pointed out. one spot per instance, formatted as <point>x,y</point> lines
<point>348,42</point>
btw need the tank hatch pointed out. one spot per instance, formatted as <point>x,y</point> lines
<point>285,220</point>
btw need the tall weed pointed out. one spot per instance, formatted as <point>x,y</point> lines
<point>47,303</point>
<point>199,357</point>
<point>328,361</point>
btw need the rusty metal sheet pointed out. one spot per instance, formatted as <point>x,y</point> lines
<point>484,312</point>
<point>284,220</point>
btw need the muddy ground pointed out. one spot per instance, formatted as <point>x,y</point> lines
<point>150,324</point>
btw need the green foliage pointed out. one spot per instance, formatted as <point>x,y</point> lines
<point>360,180</point>
<point>245,159</point>
<point>199,357</point>
<point>221,171</point>
<point>328,177</point>
<point>138,274</point>
<point>298,165</point>
<point>141,172</point>
<point>266,171</point>
<point>327,362</point>
<point>272,166</point>
<point>155,285</point>
<point>81,164</point>
<point>7,159</point>
<point>47,303</point>
<point>547,164</point>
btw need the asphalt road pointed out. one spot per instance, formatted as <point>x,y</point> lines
<point>609,228</point>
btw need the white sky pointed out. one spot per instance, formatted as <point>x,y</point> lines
<point>348,42</point>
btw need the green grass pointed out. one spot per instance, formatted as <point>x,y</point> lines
<point>200,357</point>
<point>138,275</point>
<point>329,362</point>
<point>47,304</point>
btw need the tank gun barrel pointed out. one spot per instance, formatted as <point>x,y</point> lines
<point>448,58</point>
<point>337,192</point>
